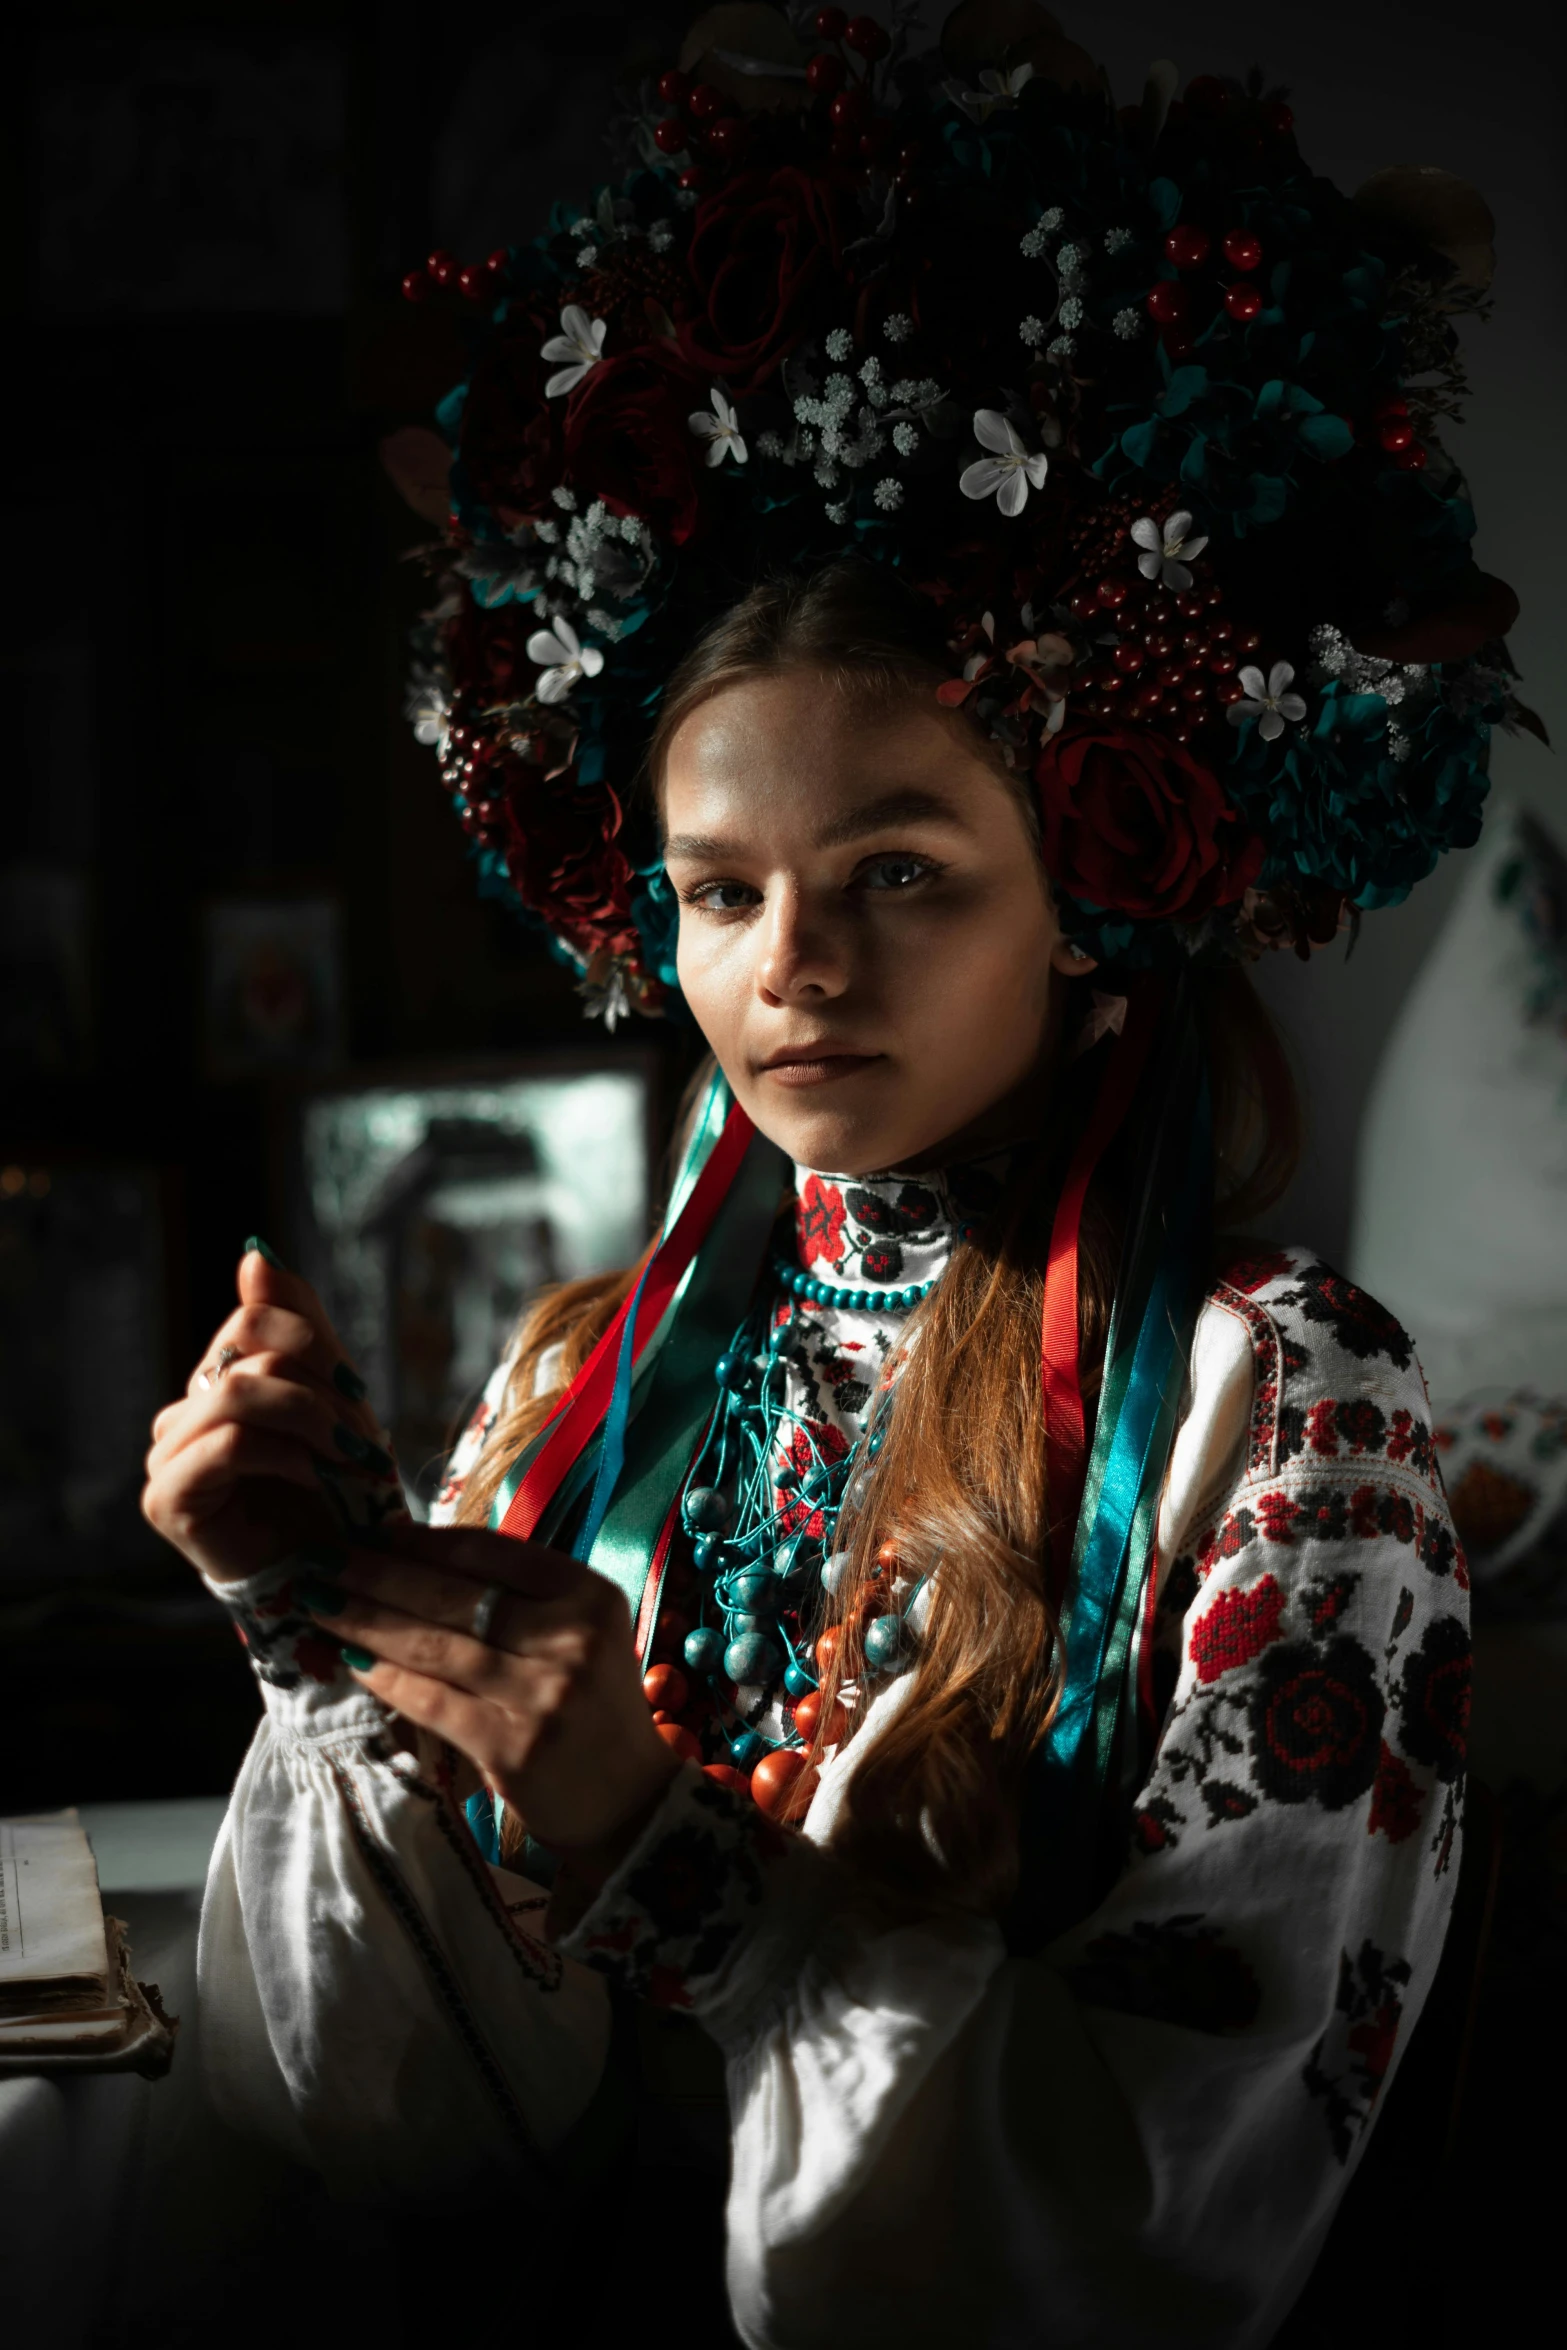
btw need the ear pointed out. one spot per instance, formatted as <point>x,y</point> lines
<point>1071,961</point>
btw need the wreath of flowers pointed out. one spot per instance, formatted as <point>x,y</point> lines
<point>1148,409</point>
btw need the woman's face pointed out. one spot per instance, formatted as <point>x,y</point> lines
<point>866,933</point>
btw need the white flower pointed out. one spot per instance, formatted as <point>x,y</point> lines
<point>889,494</point>
<point>1163,554</point>
<point>719,430</point>
<point>1008,475</point>
<point>769,444</point>
<point>995,90</point>
<point>1117,239</point>
<point>837,515</point>
<point>587,256</point>
<point>660,236</point>
<point>1127,324</point>
<point>898,327</point>
<point>1032,330</point>
<point>429,706</point>
<point>1071,311</point>
<point>562,658</point>
<point>564,498</point>
<point>839,343</point>
<point>1070,260</point>
<point>1061,348</point>
<point>905,439</point>
<point>581,341</point>
<point>1268,702</point>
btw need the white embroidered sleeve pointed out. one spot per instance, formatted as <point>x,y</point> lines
<point>375,1999</point>
<point>1139,2135</point>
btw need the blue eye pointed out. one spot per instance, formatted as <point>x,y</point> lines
<point>893,873</point>
<point>721,897</point>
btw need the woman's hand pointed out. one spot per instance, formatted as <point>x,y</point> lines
<point>232,1479</point>
<point>548,1706</point>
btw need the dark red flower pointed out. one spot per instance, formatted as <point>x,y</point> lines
<point>1316,1723</point>
<point>1130,821</point>
<point>510,438</point>
<point>627,439</point>
<point>759,245</point>
<point>564,860</point>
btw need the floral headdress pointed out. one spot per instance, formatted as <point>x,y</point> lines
<point>1147,409</point>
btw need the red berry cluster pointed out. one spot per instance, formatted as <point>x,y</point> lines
<point>705,127</point>
<point>1174,303</point>
<point>478,282</point>
<point>1173,664</point>
<point>1392,432</point>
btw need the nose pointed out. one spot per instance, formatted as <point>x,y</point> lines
<point>803,956</point>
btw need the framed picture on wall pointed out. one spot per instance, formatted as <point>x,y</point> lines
<point>272,985</point>
<point>429,1205</point>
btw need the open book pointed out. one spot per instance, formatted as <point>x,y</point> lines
<point>66,1990</point>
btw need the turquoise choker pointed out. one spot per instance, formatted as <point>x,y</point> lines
<point>805,1286</point>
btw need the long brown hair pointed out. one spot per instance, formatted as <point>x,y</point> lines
<point>930,1813</point>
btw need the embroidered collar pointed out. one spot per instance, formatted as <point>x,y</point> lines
<point>886,1231</point>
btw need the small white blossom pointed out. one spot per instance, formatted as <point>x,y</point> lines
<point>1399,744</point>
<point>1117,239</point>
<point>1032,331</point>
<point>1070,260</point>
<point>660,236</point>
<point>837,515</point>
<point>1127,324</point>
<point>1268,701</point>
<point>889,494</point>
<point>549,532</point>
<point>581,342</point>
<point>562,658</point>
<point>898,327</point>
<point>587,256</point>
<point>870,373</point>
<point>564,498</point>
<point>838,392</point>
<point>905,439</point>
<point>1167,556</point>
<point>839,343</point>
<point>997,91</point>
<point>1070,313</point>
<point>826,473</point>
<point>769,444</point>
<point>429,706</point>
<point>1010,472</point>
<point>1061,348</point>
<point>686,199</point>
<point>1053,219</point>
<point>606,624</point>
<point>720,430</point>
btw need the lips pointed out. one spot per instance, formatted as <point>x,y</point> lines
<point>814,1064</point>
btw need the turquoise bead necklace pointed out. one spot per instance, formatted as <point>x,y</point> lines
<point>757,1555</point>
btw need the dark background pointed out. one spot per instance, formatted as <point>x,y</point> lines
<point>209,211</point>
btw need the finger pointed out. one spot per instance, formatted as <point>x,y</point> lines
<point>263,1281</point>
<point>545,1647</point>
<point>203,1479</point>
<point>485,1557</point>
<point>282,1406</point>
<point>488,1737</point>
<point>289,1337</point>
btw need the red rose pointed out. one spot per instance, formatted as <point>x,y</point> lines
<point>1132,822</point>
<point>758,247</point>
<point>509,440</point>
<point>628,439</point>
<point>564,860</point>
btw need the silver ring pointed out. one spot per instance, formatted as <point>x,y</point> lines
<point>222,1363</point>
<point>484,1608</point>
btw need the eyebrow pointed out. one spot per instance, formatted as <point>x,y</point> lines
<point>906,806</point>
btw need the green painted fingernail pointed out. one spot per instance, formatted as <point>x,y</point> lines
<point>259,1245</point>
<point>358,1660</point>
<point>347,1380</point>
<point>355,1446</point>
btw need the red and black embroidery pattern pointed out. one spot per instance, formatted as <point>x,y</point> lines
<point>1349,2063</point>
<point>676,1916</point>
<point>1435,1712</point>
<point>1316,1723</point>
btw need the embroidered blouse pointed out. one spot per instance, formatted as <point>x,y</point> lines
<point>1137,2136</point>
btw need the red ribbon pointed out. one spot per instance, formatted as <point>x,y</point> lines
<point>582,1408</point>
<point>1061,1374</point>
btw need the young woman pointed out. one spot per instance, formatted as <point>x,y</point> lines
<point>982,1649</point>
